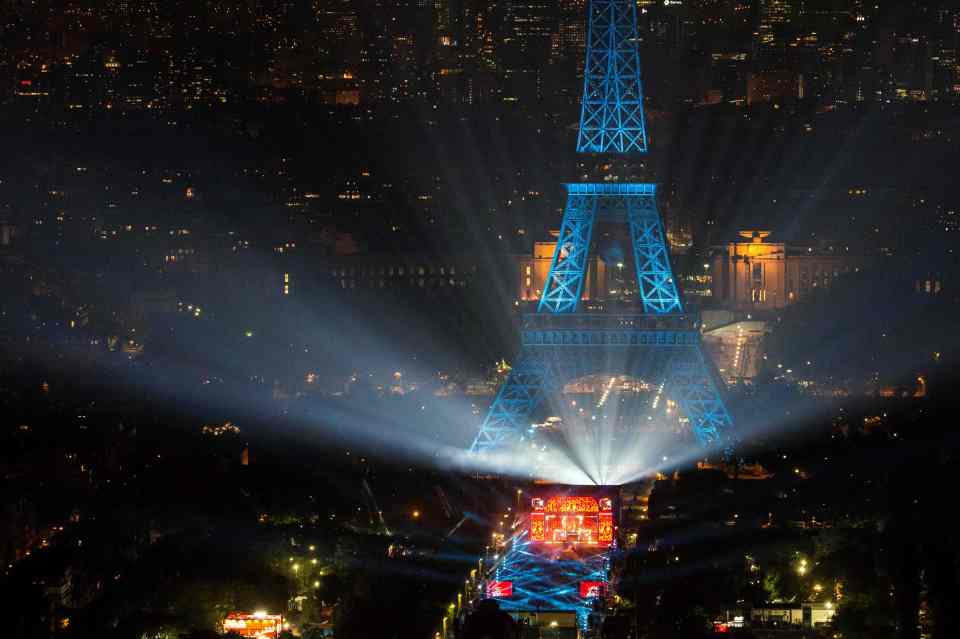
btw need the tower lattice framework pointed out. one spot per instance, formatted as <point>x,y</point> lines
<point>659,342</point>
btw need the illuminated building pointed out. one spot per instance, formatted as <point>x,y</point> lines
<point>754,274</point>
<point>435,273</point>
<point>730,72</point>
<point>774,86</point>
<point>259,625</point>
<point>533,271</point>
<point>774,14</point>
<point>525,47</point>
<point>570,40</point>
<point>403,64</point>
<point>806,615</point>
<point>531,24</point>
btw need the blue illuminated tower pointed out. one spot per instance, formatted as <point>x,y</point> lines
<point>657,342</point>
<point>611,116</point>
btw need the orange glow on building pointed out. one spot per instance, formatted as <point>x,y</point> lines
<point>755,273</point>
<point>259,625</point>
<point>347,97</point>
<point>564,504</point>
<point>572,520</point>
<point>533,271</point>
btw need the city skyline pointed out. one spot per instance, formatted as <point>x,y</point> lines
<point>460,319</point>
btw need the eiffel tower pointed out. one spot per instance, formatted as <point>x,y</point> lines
<point>657,341</point>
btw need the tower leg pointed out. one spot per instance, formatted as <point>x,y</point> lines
<point>658,288</point>
<point>521,393</point>
<point>699,398</point>
<point>564,285</point>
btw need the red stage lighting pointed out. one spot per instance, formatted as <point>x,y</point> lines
<point>499,589</point>
<point>572,520</point>
<point>592,589</point>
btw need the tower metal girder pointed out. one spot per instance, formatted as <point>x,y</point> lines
<point>558,343</point>
<point>655,281</point>
<point>557,349</point>
<point>590,202</point>
<point>699,398</point>
<point>564,285</point>
<point>521,393</point>
<point>611,113</point>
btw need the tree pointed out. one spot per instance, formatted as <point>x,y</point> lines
<point>864,618</point>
